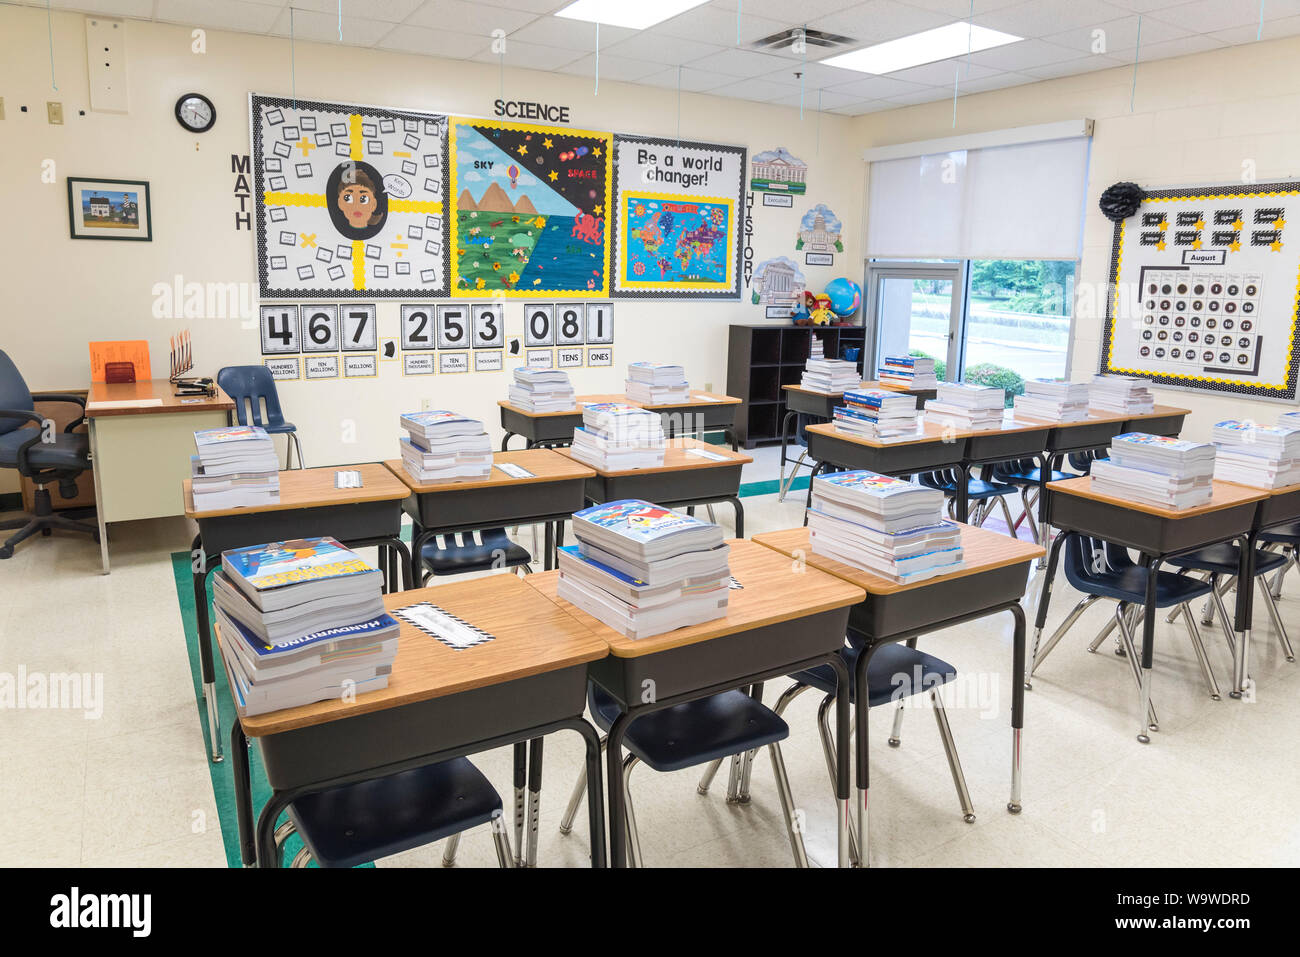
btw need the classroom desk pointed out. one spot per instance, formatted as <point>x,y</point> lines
<point>548,497</point>
<point>309,507</point>
<point>800,401</point>
<point>921,395</point>
<point>546,429</point>
<point>693,473</point>
<point>1014,440</point>
<point>528,681</point>
<point>1156,533</point>
<point>703,412</point>
<point>782,620</point>
<point>992,582</point>
<point>141,447</point>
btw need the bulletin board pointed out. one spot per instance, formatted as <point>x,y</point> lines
<point>530,210</point>
<point>676,218</point>
<point>350,200</point>
<point>1205,290</point>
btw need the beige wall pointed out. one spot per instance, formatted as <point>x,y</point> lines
<point>1194,119</point>
<point>59,293</point>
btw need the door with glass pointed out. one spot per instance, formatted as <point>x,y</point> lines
<point>916,309</point>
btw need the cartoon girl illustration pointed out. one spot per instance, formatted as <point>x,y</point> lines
<point>357,200</point>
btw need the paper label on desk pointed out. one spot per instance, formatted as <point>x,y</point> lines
<point>706,454</point>
<point>514,471</point>
<point>733,584</point>
<point>347,478</point>
<point>700,397</point>
<point>441,624</point>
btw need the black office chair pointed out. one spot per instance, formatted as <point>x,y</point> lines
<point>40,456</point>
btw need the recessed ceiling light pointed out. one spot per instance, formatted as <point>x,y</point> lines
<point>941,43</point>
<point>621,13</point>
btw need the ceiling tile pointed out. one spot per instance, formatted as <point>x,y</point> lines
<point>569,34</point>
<point>1087,64</point>
<point>739,62</point>
<point>877,87</point>
<point>692,81</point>
<point>1037,18</point>
<point>754,89</point>
<point>1273,30</point>
<point>865,107</point>
<point>1207,16</point>
<point>819,74</point>
<point>138,9</point>
<point>933,94</point>
<point>461,16</point>
<point>651,45</point>
<point>620,68</point>
<point>1119,36</point>
<point>324,28</point>
<point>391,11</point>
<point>231,15</point>
<point>1141,6</point>
<point>712,25</point>
<point>805,11</point>
<point>1180,47</point>
<point>531,6</point>
<point>878,20</point>
<point>942,73</point>
<point>828,100</point>
<point>999,81</point>
<point>441,43</point>
<point>1017,56</point>
<point>960,9</point>
<point>529,56</point>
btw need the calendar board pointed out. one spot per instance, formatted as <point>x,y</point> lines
<point>1205,287</point>
<point>350,201</point>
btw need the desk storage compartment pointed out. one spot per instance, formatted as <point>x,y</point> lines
<point>1153,534</point>
<point>890,459</point>
<point>999,446</point>
<point>1169,425</point>
<point>666,488</point>
<point>910,612</point>
<point>547,428</point>
<point>720,660</point>
<point>348,745</point>
<point>499,505</point>
<point>348,523</point>
<point>1080,438</point>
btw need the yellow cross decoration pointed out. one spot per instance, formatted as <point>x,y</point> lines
<point>306,146</point>
<point>308,240</point>
<point>357,153</point>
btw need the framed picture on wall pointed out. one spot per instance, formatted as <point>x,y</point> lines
<point>109,209</point>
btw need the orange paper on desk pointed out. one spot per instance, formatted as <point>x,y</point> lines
<point>134,351</point>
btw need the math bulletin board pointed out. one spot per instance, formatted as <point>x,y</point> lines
<point>1205,290</point>
<point>676,218</point>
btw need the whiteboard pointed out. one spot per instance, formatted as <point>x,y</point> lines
<point>1203,290</point>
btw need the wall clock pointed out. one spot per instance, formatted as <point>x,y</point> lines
<point>195,113</point>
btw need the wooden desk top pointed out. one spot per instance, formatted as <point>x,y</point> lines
<point>698,397</point>
<point>507,404</point>
<point>795,387</point>
<point>1157,412</point>
<point>313,488</point>
<point>676,458</point>
<point>983,551</point>
<point>929,432</point>
<point>546,466</point>
<point>1223,495</point>
<point>532,636</point>
<point>146,391</point>
<point>877,384</point>
<point>774,592</point>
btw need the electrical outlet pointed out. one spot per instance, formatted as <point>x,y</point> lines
<point>426,405</point>
<point>2,107</point>
<point>708,387</point>
<point>55,112</point>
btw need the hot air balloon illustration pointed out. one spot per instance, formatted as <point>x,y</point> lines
<point>513,173</point>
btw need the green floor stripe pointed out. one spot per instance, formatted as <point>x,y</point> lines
<point>771,487</point>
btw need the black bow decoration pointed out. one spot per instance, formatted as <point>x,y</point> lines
<point>1120,201</point>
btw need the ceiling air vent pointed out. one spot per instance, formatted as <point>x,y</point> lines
<point>790,41</point>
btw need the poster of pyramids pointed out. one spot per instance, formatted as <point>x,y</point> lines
<point>677,218</point>
<point>530,210</point>
<point>350,201</point>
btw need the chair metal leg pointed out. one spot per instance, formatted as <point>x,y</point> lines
<point>1101,636</point>
<point>282,834</point>
<point>896,733</point>
<point>501,841</point>
<point>832,767</point>
<point>793,826</point>
<point>1225,620</point>
<point>706,779</point>
<point>1280,628</point>
<point>579,792</point>
<point>1029,515</point>
<point>1039,656</point>
<point>1006,514</point>
<point>301,859</point>
<point>1135,661</point>
<point>787,481</point>
<point>297,447</point>
<point>954,763</point>
<point>746,769</point>
<point>1199,647</point>
<point>449,852</point>
<point>712,517</point>
<point>633,838</point>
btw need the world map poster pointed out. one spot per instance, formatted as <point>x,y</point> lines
<point>676,231</point>
<point>530,210</point>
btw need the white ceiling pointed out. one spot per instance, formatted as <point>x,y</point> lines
<point>1059,37</point>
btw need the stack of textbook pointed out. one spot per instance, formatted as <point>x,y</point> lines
<point>876,414</point>
<point>1256,455</point>
<point>643,569</point>
<point>962,405</point>
<point>444,445</point>
<point>1119,393</point>
<point>614,437</point>
<point>301,621</point>
<point>1052,400</point>
<point>830,375</point>
<point>1289,420</point>
<point>656,383</point>
<point>1155,470</point>
<point>542,390</point>
<point>908,372</point>
<point>236,468</point>
<point>887,526</point>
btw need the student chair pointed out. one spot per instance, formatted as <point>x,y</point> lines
<point>982,494</point>
<point>686,735</point>
<point>359,823</point>
<point>895,672</point>
<point>1286,538</point>
<point>61,459</point>
<point>1082,461</point>
<point>1219,563</point>
<point>444,555</point>
<point>250,387</point>
<point>1024,475</point>
<point>1104,570</point>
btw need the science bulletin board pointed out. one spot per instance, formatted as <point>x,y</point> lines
<point>1205,290</point>
<point>675,218</point>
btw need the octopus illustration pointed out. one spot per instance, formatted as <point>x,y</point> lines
<point>587,228</point>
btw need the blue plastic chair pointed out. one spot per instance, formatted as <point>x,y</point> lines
<point>688,734</point>
<point>979,491</point>
<point>1105,570</point>
<point>895,672</point>
<point>1023,474</point>
<point>358,823</point>
<point>1083,460</point>
<point>1287,538</point>
<point>1220,563</point>
<point>444,555</point>
<point>250,387</point>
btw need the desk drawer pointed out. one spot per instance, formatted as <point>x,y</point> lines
<point>348,523</point>
<point>912,611</point>
<point>667,487</point>
<point>497,505</point>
